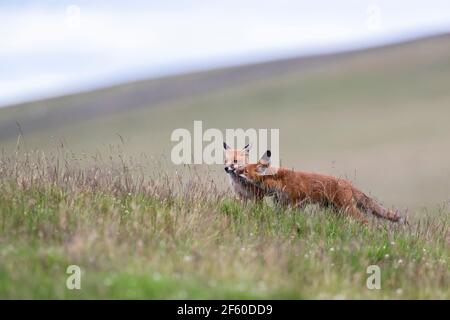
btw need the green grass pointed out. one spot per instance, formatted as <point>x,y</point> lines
<point>159,236</point>
<point>138,229</point>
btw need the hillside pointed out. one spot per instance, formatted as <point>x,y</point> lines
<point>378,116</point>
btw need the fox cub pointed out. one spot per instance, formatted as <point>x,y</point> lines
<point>235,159</point>
<point>299,188</point>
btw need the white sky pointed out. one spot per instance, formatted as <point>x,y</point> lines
<point>54,47</point>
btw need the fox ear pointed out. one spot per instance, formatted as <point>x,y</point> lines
<point>247,148</point>
<point>265,159</point>
<point>225,146</point>
<point>266,171</point>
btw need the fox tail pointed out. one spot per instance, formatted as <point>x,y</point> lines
<point>371,206</point>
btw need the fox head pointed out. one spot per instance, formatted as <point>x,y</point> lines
<point>235,158</point>
<point>257,172</point>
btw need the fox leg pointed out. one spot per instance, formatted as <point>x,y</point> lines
<point>257,194</point>
<point>344,200</point>
<point>246,192</point>
<point>257,198</point>
<point>356,213</point>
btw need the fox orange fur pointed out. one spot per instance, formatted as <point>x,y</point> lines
<point>298,188</point>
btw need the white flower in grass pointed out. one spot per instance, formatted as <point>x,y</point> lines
<point>156,276</point>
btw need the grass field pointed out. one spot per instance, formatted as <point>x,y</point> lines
<point>163,236</point>
<point>90,183</point>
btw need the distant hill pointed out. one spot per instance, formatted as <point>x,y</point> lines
<point>378,116</point>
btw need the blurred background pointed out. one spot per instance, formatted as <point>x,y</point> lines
<point>357,88</point>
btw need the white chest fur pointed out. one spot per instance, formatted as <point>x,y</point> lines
<point>240,187</point>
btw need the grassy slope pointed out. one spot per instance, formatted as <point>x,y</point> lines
<point>381,113</point>
<point>159,237</point>
<point>383,110</point>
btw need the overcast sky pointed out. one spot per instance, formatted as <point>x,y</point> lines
<point>54,47</point>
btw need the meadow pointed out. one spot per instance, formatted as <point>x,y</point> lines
<point>162,236</point>
<point>86,179</point>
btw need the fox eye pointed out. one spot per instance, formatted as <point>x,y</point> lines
<point>235,161</point>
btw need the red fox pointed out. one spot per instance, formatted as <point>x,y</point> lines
<point>298,188</point>
<point>234,159</point>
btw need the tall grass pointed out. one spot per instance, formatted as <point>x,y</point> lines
<point>137,231</point>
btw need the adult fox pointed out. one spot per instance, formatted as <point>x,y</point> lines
<point>298,188</point>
